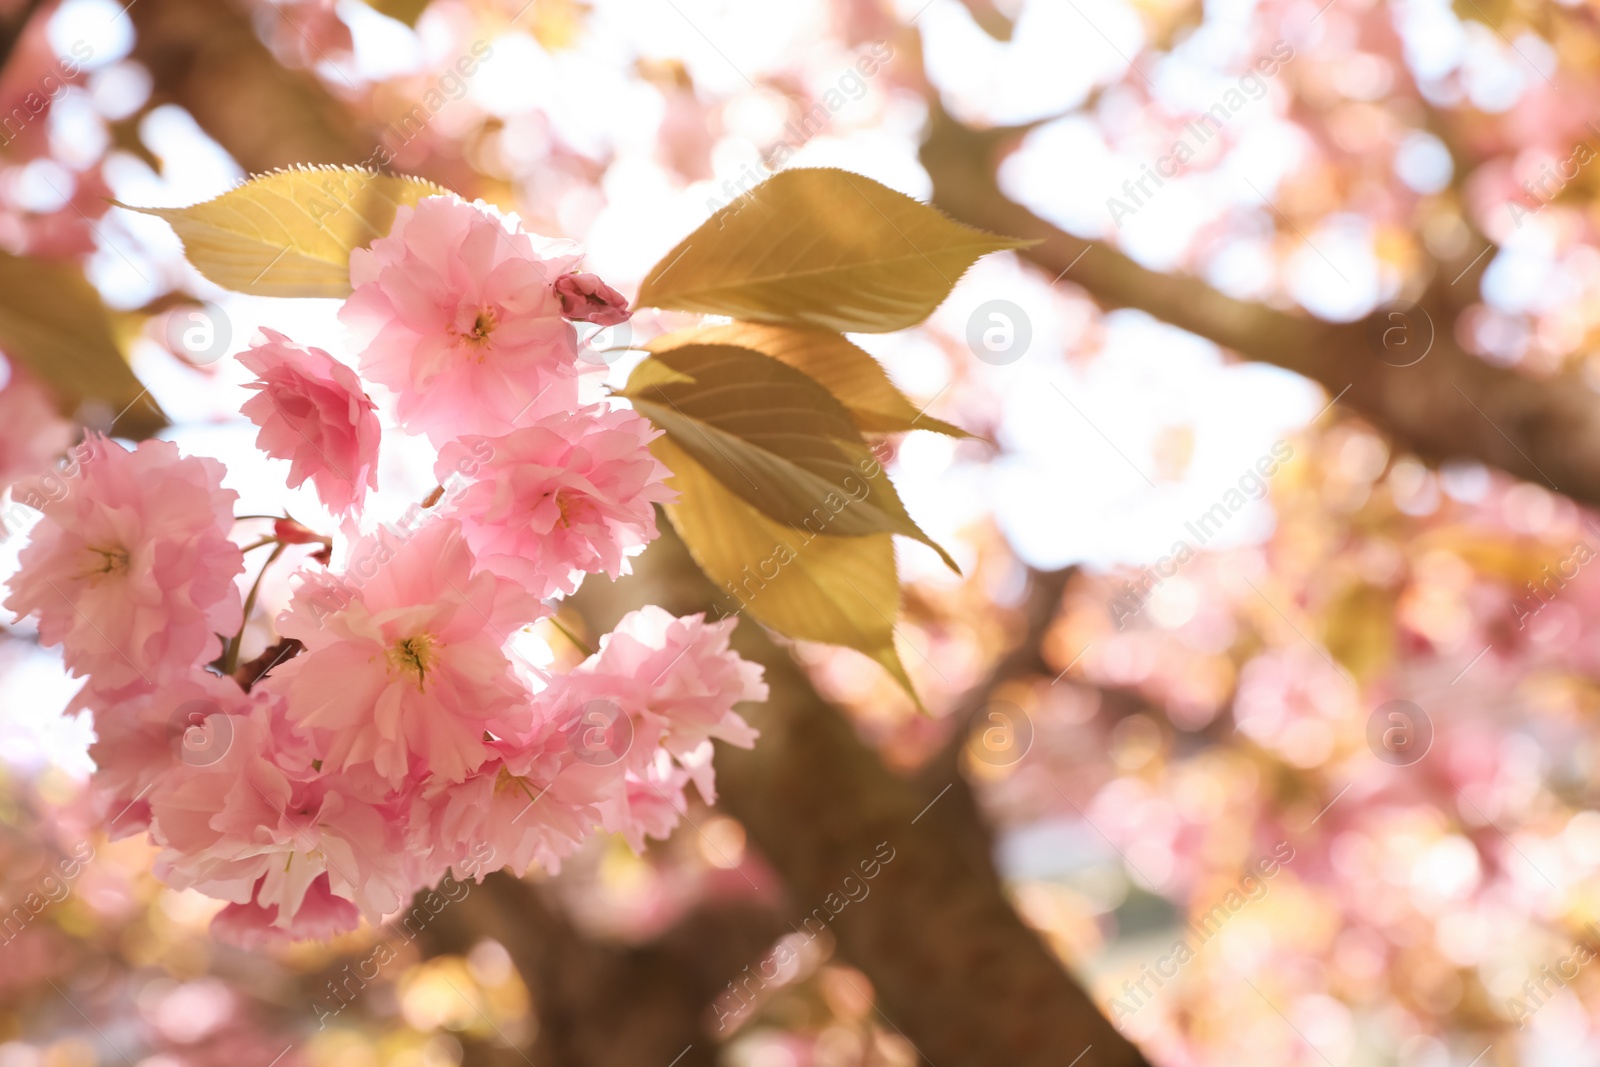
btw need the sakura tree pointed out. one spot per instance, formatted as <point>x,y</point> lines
<point>1310,782</point>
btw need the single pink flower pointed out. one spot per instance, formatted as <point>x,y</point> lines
<point>31,433</point>
<point>404,667</point>
<point>683,673</point>
<point>651,805</point>
<point>570,495</point>
<point>131,569</point>
<point>312,412</point>
<point>142,739</point>
<point>320,917</point>
<point>585,298</point>
<point>647,705</point>
<point>244,830</point>
<point>531,804</point>
<point>455,310</point>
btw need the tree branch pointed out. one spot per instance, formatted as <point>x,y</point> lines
<point>204,56</point>
<point>1447,405</point>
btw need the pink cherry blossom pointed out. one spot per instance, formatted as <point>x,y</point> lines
<point>595,754</point>
<point>321,916</point>
<point>585,298</point>
<point>243,830</point>
<point>313,412</point>
<point>31,433</point>
<point>455,311</point>
<point>573,494</point>
<point>385,739</point>
<point>651,804</point>
<point>142,739</point>
<point>676,682</point>
<point>531,804</point>
<point>131,569</point>
<point>683,673</point>
<point>404,666</point>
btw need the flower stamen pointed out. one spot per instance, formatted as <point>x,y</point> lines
<point>113,560</point>
<point>415,656</point>
<point>477,336</point>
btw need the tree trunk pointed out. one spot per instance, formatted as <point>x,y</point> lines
<point>956,970</point>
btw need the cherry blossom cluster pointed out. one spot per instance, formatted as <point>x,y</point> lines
<point>392,735</point>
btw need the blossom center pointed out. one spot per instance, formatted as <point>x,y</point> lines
<point>312,856</point>
<point>572,506</point>
<point>414,657</point>
<point>476,336</point>
<point>505,781</point>
<point>113,560</point>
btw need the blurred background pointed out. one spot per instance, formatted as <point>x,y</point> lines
<point>1266,710</point>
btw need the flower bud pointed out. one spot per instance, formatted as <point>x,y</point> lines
<point>291,532</point>
<point>585,298</point>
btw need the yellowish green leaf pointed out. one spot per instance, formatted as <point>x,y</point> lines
<point>837,590</point>
<point>291,232</point>
<point>1359,629</point>
<point>854,378</point>
<point>53,322</point>
<point>774,437</point>
<point>820,247</point>
<point>406,11</point>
